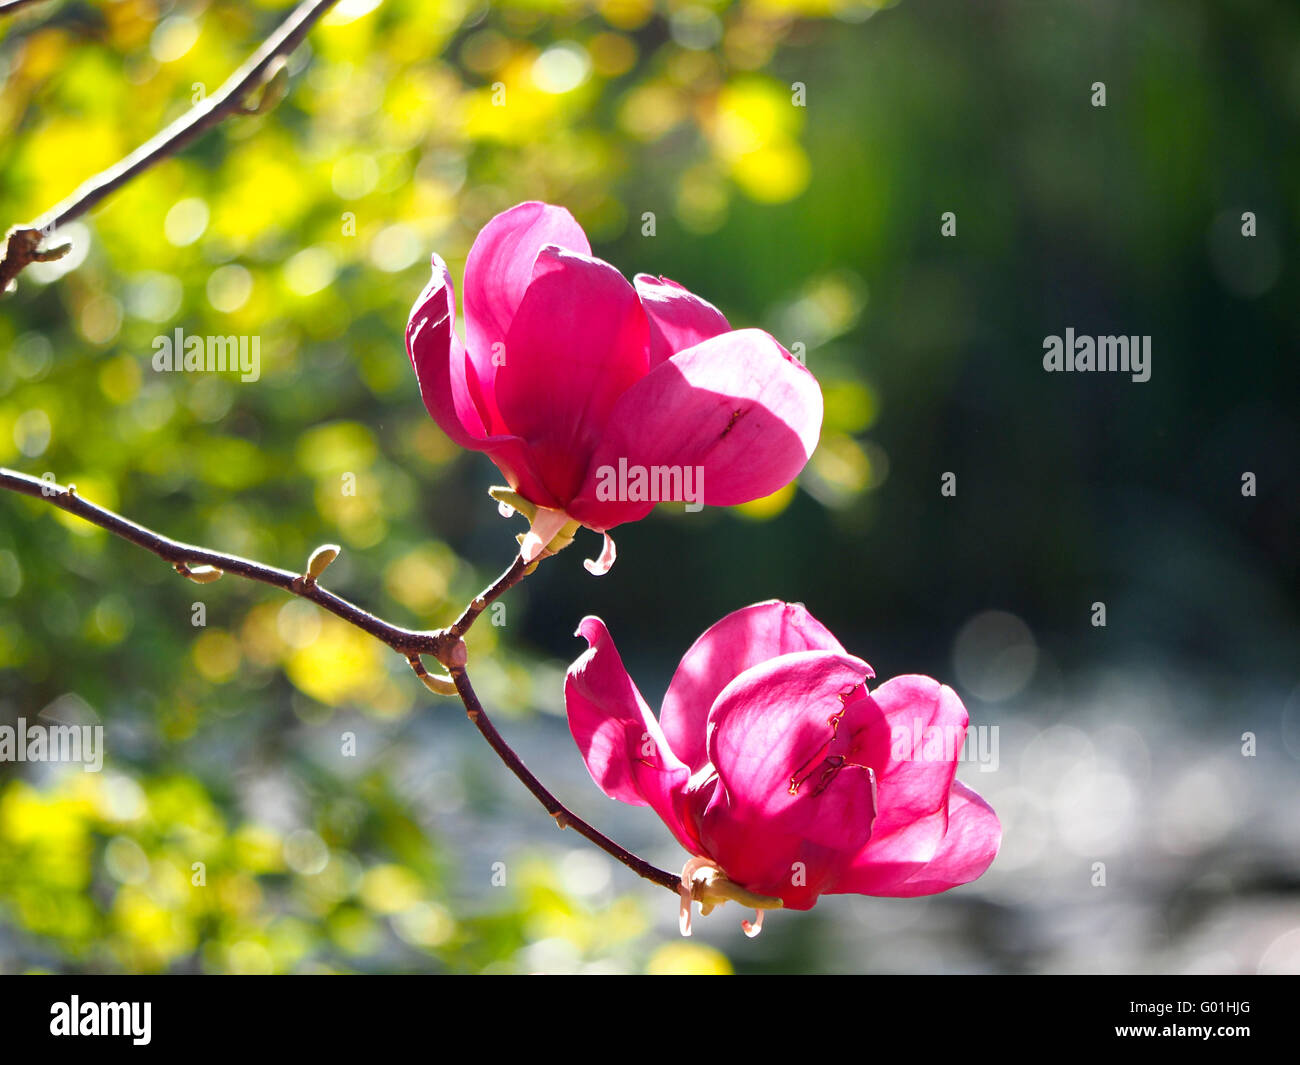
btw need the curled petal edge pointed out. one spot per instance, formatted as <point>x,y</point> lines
<point>598,567</point>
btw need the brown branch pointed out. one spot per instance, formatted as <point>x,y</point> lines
<point>444,644</point>
<point>564,817</point>
<point>22,240</point>
<point>12,7</point>
<point>512,576</point>
<point>184,556</point>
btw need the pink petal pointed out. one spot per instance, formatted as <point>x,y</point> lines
<point>914,776</point>
<point>448,385</point>
<point>619,738</point>
<point>889,859</point>
<point>738,406</point>
<point>781,736</point>
<point>438,358</point>
<point>744,638</point>
<point>515,461</point>
<point>968,848</point>
<point>603,515</point>
<point>679,319</point>
<point>768,861</point>
<point>500,267</point>
<point>578,341</point>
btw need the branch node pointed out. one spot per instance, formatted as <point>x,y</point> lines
<point>22,248</point>
<point>455,655</point>
<point>561,819</point>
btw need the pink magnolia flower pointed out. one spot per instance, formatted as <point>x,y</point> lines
<point>780,772</point>
<point>569,374</point>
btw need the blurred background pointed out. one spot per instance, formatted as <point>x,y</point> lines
<point>1147,771</point>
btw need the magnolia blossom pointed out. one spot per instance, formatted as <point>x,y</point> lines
<point>780,771</point>
<point>567,372</point>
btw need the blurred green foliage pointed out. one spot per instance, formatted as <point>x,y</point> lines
<point>310,227</point>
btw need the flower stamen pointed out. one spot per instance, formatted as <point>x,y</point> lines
<point>705,883</point>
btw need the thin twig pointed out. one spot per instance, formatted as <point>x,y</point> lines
<point>444,644</point>
<point>12,7</point>
<point>404,641</point>
<point>22,240</point>
<point>564,817</point>
<point>516,572</point>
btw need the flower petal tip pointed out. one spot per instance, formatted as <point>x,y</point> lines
<point>598,567</point>
<point>591,629</point>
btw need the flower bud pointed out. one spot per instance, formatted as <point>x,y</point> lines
<point>199,574</point>
<point>442,685</point>
<point>321,558</point>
